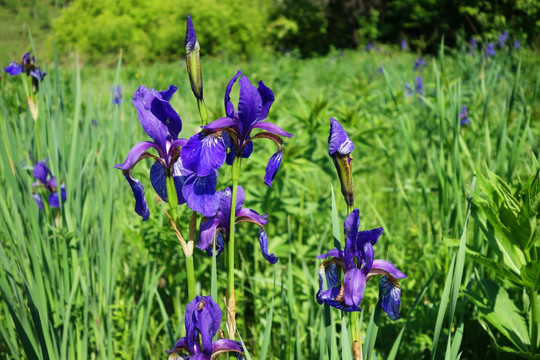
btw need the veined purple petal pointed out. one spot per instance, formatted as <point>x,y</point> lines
<point>225,198</point>
<point>220,123</point>
<point>180,175</point>
<point>263,242</point>
<point>342,306</point>
<point>135,154</point>
<point>272,167</point>
<point>267,97</point>
<point>371,236</point>
<point>200,193</point>
<point>249,104</point>
<point>383,267</point>
<point>162,110</point>
<point>332,253</point>
<point>38,74</point>
<point>38,201</point>
<point>229,107</point>
<point>207,232</point>
<point>41,172</point>
<point>208,321</point>
<point>225,345</point>
<point>191,37</point>
<point>203,153</point>
<point>153,126</point>
<point>141,207</point>
<point>350,229</point>
<point>273,128</point>
<point>13,68</point>
<point>159,180</point>
<point>181,345</point>
<point>339,141</point>
<point>355,284</point>
<point>252,215</point>
<point>389,296</point>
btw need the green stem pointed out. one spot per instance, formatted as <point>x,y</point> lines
<point>231,300</point>
<point>190,271</point>
<point>535,321</point>
<point>349,209</point>
<point>202,111</point>
<point>356,336</point>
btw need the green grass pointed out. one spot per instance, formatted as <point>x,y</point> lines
<point>94,281</point>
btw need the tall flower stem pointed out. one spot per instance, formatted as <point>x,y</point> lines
<point>231,299</point>
<point>186,247</point>
<point>356,334</point>
<point>535,320</point>
<point>202,111</point>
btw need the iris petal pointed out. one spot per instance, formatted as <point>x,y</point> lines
<point>339,141</point>
<point>263,242</point>
<point>272,128</point>
<point>200,193</point>
<point>162,110</point>
<point>355,284</point>
<point>225,345</point>
<point>249,105</point>
<point>153,127</point>
<point>207,232</point>
<point>203,153</point>
<point>267,97</point>
<point>272,167</point>
<point>141,207</point>
<point>41,172</point>
<point>229,107</point>
<point>13,68</point>
<point>136,154</point>
<point>225,198</point>
<point>159,180</point>
<point>38,201</point>
<point>389,297</point>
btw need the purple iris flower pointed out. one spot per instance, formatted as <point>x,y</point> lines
<point>217,226</point>
<point>517,44</point>
<point>490,50</point>
<point>408,91</point>
<point>27,65</point>
<point>369,46</point>
<point>420,63</point>
<point>419,87</point>
<point>473,44</point>
<point>403,44</point>
<point>502,39</point>
<point>45,180</point>
<point>202,321</point>
<point>206,151</point>
<point>358,264</point>
<point>117,94</point>
<point>464,116</point>
<point>161,122</point>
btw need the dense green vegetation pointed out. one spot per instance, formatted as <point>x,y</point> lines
<point>94,281</point>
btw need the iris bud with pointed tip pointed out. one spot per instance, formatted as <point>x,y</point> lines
<point>193,60</point>
<point>340,147</point>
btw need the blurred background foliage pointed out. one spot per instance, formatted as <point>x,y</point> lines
<point>148,30</point>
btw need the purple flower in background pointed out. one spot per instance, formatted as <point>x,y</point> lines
<point>408,91</point>
<point>48,182</point>
<point>517,44</point>
<point>501,41</point>
<point>381,69</point>
<point>419,87</point>
<point>420,63</point>
<point>217,227</point>
<point>202,321</point>
<point>369,46</point>
<point>358,265</point>
<point>206,151</point>
<point>490,50</point>
<point>340,147</point>
<point>464,116</point>
<point>27,65</point>
<point>403,44</point>
<point>473,45</point>
<point>117,94</point>
<point>161,123</point>
<point>14,68</point>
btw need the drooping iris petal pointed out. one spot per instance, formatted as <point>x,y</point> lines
<point>13,68</point>
<point>203,153</point>
<point>38,201</point>
<point>207,232</point>
<point>38,74</point>
<point>250,216</point>
<point>383,267</point>
<point>153,127</point>
<point>339,141</point>
<point>263,242</point>
<point>355,284</point>
<point>272,167</point>
<point>53,200</point>
<point>229,107</point>
<point>332,253</point>
<point>249,104</point>
<point>389,297</point>
<point>141,207</point>
<point>180,346</point>
<point>180,175</point>
<point>267,97</point>
<point>200,193</point>
<point>159,180</point>
<point>226,345</point>
<point>220,245</point>
<point>273,128</point>
<point>41,172</point>
<point>135,155</point>
<point>329,273</point>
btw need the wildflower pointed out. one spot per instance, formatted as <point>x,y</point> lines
<point>381,69</point>
<point>464,116</point>
<point>490,50</point>
<point>217,226</point>
<point>517,44</point>
<point>193,60</point>
<point>48,182</point>
<point>27,65</point>
<point>473,44</point>
<point>161,123</point>
<point>502,39</point>
<point>419,87</point>
<point>202,321</point>
<point>420,63</point>
<point>358,264</point>
<point>206,151</point>
<point>117,94</point>
<point>403,44</point>
<point>369,46</point>
<point>408,91</point>
<point>340,147</point>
